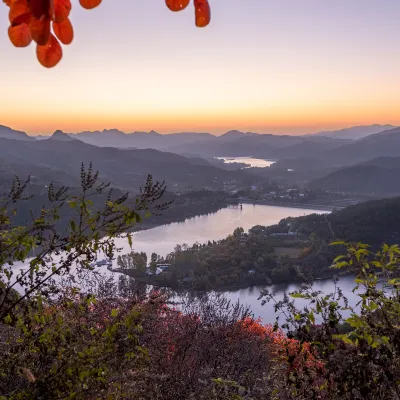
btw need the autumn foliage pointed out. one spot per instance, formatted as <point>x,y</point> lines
<point>47,23</point>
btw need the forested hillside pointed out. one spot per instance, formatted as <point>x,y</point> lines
<point>60,160</point>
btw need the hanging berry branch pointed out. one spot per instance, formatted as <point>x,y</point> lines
<point>47,23</point>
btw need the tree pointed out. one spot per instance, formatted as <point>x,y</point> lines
<point>238,232</point>
<point>74,249</point>
<point>153,262</point>
<point>47,23</point>
<point>358,347</point>
<point>133,261</point>
<point>56,340</point>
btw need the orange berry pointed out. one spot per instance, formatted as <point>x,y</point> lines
<point>64,31</point>
<point>177,5</point>
<point>19,35</point>
<point>50,54</point>
<point>202,13</point>
<point>88,4</point>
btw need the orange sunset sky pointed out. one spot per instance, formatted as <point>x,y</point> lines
<point>285,66</point>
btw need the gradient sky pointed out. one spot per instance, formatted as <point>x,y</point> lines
<point>289,66</point>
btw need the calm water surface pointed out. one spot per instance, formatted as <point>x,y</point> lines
<point>253,162</point>
<point>249,296</point>
<point>216,226</point>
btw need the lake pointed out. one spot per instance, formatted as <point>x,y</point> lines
<point>249,296</point>
<point>253,162</point>
<point>215,226</point>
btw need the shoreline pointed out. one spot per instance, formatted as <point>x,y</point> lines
<point>306,206</point>
<point>233,288</point>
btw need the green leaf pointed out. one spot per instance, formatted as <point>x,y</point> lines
<point>72,203</point>
<point>339,242</point>
<point>114,312</point>
<point>311,317</point>
<point>297,295</point>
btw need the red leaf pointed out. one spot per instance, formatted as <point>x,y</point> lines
<point>202,13</point>
<point>19,12</point>
<point>177,5</point>
<point>88,4</point>
<point>64,31</point>
<point>60,10</point>
<point>40,30</point>
<point>50,54</point>
<point>39,8</point>
<point>19,35</point>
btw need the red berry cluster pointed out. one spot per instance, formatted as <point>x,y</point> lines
<point>47,23</point>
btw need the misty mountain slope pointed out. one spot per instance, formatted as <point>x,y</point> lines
<point>8,133</point>
<point>378,176</point>
<point>141,140</point>
<point>308,148</point>
<point>124,168</point>
<point>273,147</point>
<point>232,143</point>
<point>384,144</point>
<point>335,152</point>
<point>61,137</point>
<point>355,132</point>
<point>39,175</point>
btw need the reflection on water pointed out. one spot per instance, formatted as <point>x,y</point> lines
<point>253,162</point>
<point>249,296</point>
<point>216,226</point>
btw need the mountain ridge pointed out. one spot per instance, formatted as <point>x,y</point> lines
<point>355,132</point>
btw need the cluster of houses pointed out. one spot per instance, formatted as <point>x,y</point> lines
<point>287,194</point>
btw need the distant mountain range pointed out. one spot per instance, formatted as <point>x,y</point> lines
<point>383,144</point>
<point>59,158</point>
<point>233,143</point>
<point>355,132</point>
<point>327,160</point>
